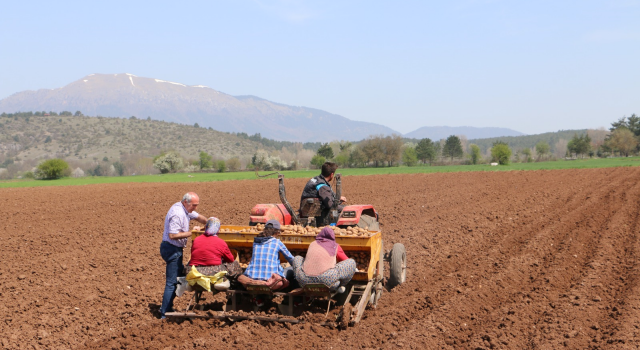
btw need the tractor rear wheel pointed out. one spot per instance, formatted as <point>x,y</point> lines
<point>397,265</point>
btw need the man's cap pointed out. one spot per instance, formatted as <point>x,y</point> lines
<point>274,223</point>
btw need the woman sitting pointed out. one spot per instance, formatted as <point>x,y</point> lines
<point>210,254</point>
<point>264,267</point>
<point>325,263</point>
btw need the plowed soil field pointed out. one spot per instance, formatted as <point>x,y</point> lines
<point>504,260</point>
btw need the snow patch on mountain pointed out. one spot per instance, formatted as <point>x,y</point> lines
<point>170,82</point>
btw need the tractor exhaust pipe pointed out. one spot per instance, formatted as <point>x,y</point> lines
<point>334,209</point>
<point>283,199</point>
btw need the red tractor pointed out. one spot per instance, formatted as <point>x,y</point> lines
<point>311,213</point>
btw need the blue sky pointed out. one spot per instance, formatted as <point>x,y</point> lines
<point>530,66</point>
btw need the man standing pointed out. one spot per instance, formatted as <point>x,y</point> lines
<point>319,187</point>
<point>174,239</point>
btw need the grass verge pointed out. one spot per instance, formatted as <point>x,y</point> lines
<point>247,175</point>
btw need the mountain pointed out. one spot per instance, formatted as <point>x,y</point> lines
<point>125,95</point>
<point>442,132</point>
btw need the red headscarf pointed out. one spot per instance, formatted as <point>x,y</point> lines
<point>327,240</point>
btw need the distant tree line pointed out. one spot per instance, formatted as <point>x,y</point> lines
<point>624,137</point>
<point>621,139</point>
<point>273,143</point>
<point>39,114</point>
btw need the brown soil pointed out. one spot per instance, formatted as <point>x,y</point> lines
<point>538,259</point>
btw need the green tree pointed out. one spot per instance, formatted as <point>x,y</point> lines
<point>392,149</point>
<point>475,153</point>
<point>221,166</point>
<point>357,157</point>
<point>426,150</point>
<point>196,125</point>
<point>409,156</point>
<point>344,145</point>
<point>52,169</point>
<point>260,160</point>
<point>373,149</point>
<point>632,123</point>
<point>586,145</point>
<point>326,151</point>
<point>542,149</point>
<point>580,145</point>
<point>452,147</point>
<point>527,155</point>
<point>48,139</point>
<point>501,153</point>
<point>119,167</point>
<point>205,160</point>
<point>318,160</point>
<point>99,170</point>
<point>622,140</point>
<point>342,159</point>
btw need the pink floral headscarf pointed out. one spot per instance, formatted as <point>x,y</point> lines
<point>327,240</point>
<point>212,227</point>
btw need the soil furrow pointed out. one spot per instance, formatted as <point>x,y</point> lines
<point>540,259</point>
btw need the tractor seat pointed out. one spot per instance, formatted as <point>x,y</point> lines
<point>311,207</point>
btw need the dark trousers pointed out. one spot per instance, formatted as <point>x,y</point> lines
<point>172,255</point>
<point>290,275</point>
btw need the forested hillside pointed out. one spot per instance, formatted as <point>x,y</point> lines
<point>117,146</point>
<point>27,138</point>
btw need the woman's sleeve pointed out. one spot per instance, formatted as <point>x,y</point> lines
<point>340,255</point>
<point>285,252</point>
<point>226,253</point>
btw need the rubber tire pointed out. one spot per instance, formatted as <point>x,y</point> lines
<point>397,261</point>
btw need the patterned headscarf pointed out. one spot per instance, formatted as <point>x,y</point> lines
<point>212,227</point>
<point>327,240</point>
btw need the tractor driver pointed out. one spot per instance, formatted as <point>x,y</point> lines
<point>319,187</point>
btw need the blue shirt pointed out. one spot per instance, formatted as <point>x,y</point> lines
<point>265,259</point>
<point>177,220</point>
